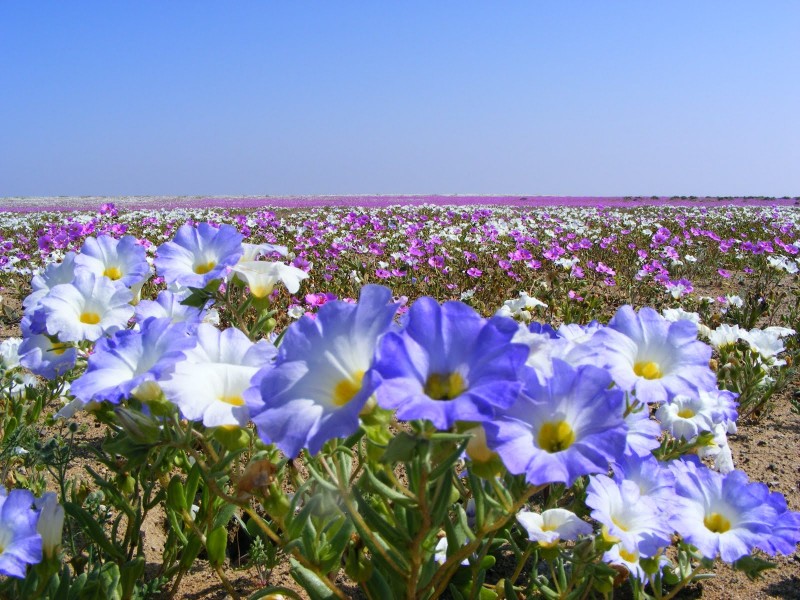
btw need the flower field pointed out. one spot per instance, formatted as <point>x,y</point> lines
<point>474,400</point>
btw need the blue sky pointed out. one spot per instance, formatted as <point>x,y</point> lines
<point>364,97</point>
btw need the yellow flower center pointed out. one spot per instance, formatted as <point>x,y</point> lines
<point>112,273</point>
<point>686,413</point>
<point>59,348</point>
<point>717,523</point>
<point>555,436</point>
<point>631,557</point>
<point>261,290</point>
<point>346,389</point>
<point>648,370</point>
<point>90,318</point>
<point>444,386</point>
<point>232,400</point>
<point>611,539</point>
<point>203,268</point>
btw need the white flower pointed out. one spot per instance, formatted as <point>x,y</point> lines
<point>440,553</point>
<point>211,317</point>
<point>725,335</point>
<point>9,353</point>
<point>566,263</point>
<point>783,263</point>
<point>552,525</point>
<point>686,417</point>
<point>767,344</point>
<point>251,252</point>
<point>296,311</point>
<point>734,301</point>
<point>87,308</point>
<point>209,385</point>
<point>261,276</point>
<point>20,382</point>
<point>719,450</point>
<point>780,332</point>
<point>677,314</point>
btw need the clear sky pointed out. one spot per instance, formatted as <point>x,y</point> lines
<point>694,97</point>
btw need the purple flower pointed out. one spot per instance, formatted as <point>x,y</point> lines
<point>168,305</point>
<point>655,358</point>
<point>785,533</point>
<point>120,260</point>
<point>199,255</point>
<point>42,354</point>
<point>128,359</point>
<point>571,425</point>
<point>53,275</point>
<point>722,515</point>
<point>473,272</point>
<point>322,378</point>
<point>20,543</point>
<point>449,365</point>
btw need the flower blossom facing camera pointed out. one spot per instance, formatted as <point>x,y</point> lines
<point>323,374</point>
<point>449,364</point>
<point>654,358</point>
<point>572,425</point>
<point>86,309</point>
<point>122,260</point>
<point>724,516</point>
<point>198,255</point>
<point>210,384</point>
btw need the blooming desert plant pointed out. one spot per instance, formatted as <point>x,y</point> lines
<point>409,447</point>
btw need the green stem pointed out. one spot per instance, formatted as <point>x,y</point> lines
<point>442,577</point>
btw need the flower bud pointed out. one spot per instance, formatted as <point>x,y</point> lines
<point>50,523</point>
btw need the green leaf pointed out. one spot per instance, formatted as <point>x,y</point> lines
<point>441,504</point>
<point>216,543</point>
<point>310,582</point>
<point>331,555</point>
<point>753,566</point>
<point>402,448</point>
<point>224,515</point>
<point>386,491</point>
<point>378,586</point>
<point>397,536</point>
<point>190,551</point>
<point>447,463</point>
<point>94,530</point>
<point>130,574</point>
<point>190,489</point>
<point>103,584</point>
<point>176,499</point>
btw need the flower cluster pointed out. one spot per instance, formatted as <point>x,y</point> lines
<point>625,411</point>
